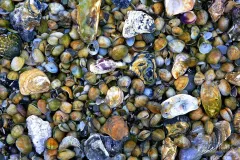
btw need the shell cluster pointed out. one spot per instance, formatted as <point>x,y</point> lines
<point>119,79</point>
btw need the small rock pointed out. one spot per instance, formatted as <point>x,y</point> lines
<point>116,127</point>
<point>137,22</point>
<point>178,6</point>
<point>39,131</point>
<point>121,3</point>
<point>178,105</point>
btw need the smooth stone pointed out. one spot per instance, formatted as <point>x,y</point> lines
<point>137,22</point>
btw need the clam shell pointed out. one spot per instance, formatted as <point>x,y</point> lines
<point>114,97</point>
<point>233,78</point>
<point>179,67</point>
<point>178,105</point>
<point>178,6</point>
<point>211,98</point>
<point>33,81</point>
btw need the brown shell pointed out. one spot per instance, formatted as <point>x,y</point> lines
<point>179,67</point>
<point>116,128</point>
<point>33,81</point>
<point>233,78</point>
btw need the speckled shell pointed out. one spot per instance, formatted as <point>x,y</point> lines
<point>144,66</point>
<point>179,67</point>
<point>137,22</point>
<point>211,98</point>
<point>88,18</point>
<point>116,128</point>
<point>10,46</point>
<point>178,105</point>
<point>233,78</point>
<point>114,97</point>
<point>33,81</point>
<point>103,66</point>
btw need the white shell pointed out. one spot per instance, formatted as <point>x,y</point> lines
<point>178,105</point>
<point>137,22</point>
<point>39,131</point>
<point>179,68</point>
<point>69,141</point>
<point>174,7</point>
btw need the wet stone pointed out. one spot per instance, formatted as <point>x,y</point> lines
<point>137,22</point>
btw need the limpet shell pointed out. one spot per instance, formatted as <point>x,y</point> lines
<point>33,81</point>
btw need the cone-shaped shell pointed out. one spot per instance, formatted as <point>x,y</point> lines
<point>178,105</point>
<point>116,128</point>
<point>211,98</point>
<point>33,81</point>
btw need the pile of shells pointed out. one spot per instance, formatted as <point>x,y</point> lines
<point>120,79</point>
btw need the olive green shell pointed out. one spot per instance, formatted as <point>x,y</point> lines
<point>211,99</point>
<point>10,46</point>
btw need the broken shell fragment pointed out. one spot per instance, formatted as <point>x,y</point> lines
<point>88,18</point>
<point>137,22</point>
<point>178,6</point>
<point>217,9</point>
<point>233,78</point>
<point>68,142</point>
<point>211,98</point>
<point>33,81</point>
<point>168,150</point>
<point>179,67</point>
<point>104,65</point>
<point>144,66</point>
<point>116,128</point>
<point>114,97</point>
<point>178,105</point>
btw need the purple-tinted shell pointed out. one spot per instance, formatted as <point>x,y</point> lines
<point>188,17</point>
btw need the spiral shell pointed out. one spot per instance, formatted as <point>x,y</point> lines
<point>33,81</point>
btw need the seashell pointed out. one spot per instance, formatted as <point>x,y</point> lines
<point>137,22</point>
<point>116,128</point>
<point>10,45</point>
<point>233,154</point>
<point>181,83</point>
<point>104,65</point>
<point>88,19</point>
<point>211,98</point>
<point>233,78</point>
<point>178,105</point>
<point>26,17</point>
<point>33,81</point>
<point>217,9</point>
<point>188,17</point>
<point>178,6</point>
<point>168,150</point>
<point>93,47</point>
<point>236,121</point>
<point>68,142</point>
<point>176,45</point>
<point>24,144</point>
<point>114,97</point>
<point>179,67</point>
<point>144,66</point>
